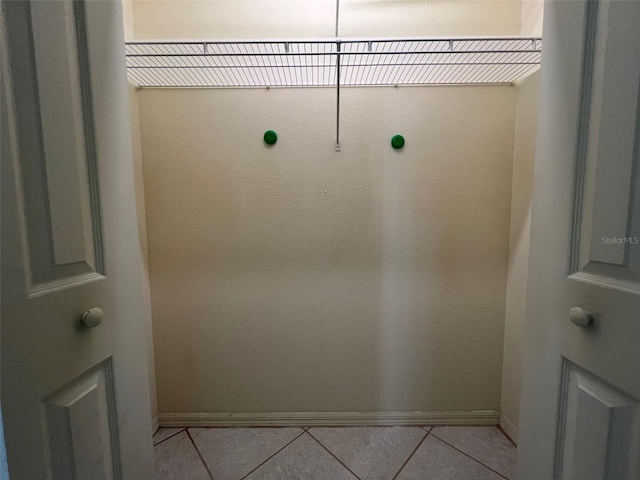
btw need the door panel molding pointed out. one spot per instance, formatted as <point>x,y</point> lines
<point>89,131</point>
<point>82,427</point>
<point>609,128</point>
<point>591,12</point>
<point>599,428</point>
<point>59,173</point>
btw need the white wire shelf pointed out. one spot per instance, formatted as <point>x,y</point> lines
<point>331,62</point>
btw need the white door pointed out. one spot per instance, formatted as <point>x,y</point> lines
<point>74,397</point>
<point>581,392</point>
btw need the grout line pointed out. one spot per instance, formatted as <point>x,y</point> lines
<point>410,456</point>
<point>274,454</point>
<point>331,453</point>
<point>206,467</point>
<point>170,436</point>
<point>472,458</point>
<point>508,437</point>
<point>429,431</point>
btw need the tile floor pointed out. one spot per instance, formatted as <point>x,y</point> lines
<point>319,453</point>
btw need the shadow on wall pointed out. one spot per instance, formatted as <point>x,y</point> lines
<point>444,218</point>
<point>520,229</point>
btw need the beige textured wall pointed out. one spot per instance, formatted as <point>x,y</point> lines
<point>531,18</point>
<point>142,236</point>
<point>127,20</point>
<point>295,278</point>
<point>316,18</point>
<point>520,228</point>
<point>134,113</point>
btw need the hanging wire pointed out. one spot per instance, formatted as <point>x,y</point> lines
<point>338,97</point>
<point>338,72</point>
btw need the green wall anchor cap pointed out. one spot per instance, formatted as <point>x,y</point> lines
<point>270,137</point>
<point>397,141</point>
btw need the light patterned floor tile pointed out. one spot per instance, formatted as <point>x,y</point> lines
<point>231,453</point>
<point>488,445</point>
<point>374,453</point>
<point>164,433</point>
<point>177,459</point>
<point>304,459</point>
<point>437,460</point>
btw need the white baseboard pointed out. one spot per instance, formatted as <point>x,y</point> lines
<point>155,425</point>
<point>509,428</point>
<point>481,417</point>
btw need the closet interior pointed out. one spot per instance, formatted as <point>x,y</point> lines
<point>334,204</point>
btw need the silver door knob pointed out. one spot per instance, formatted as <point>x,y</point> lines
<point>93,317</point>
<point>580,317</point>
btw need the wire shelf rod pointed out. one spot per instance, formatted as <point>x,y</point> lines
<point>134,67</point>
<point>316,54</point>
<point>332,40</point>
